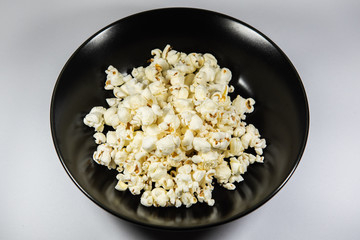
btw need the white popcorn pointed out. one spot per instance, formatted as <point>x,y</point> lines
<point>199,175</point>
<point>152,130</point>
<point>121,186</point>
<point>175,158</point>
<point>165,182</point>
<point>210,159</point>
<point>205,75</point>
<point>188,199</point>
<point>173,57</point>
<point>119,93</point>
<point>102,155</point>
<point>145,116</point>
<point>111,138</point>
<point>172,127</point>
<point>179,91</point>
<point>120,157</point>
<point>196,123</point>
<point>124,134</point>
<point>223,172</point>
<point>157,110</point>
<point>111,118</point>
<point>187,141</point>
<point>134,101</point>
<point>112,102</point>
<point>156,171</point>
<point>170,123</point>
<point>201,93</point>
<point>113,78</point>
<point>157,88</point>
<point>185,66</point>
<point>223,76</point>
<point>229,186</point>
<point>136,141</point>
<point>242,105</point>
<point>197,60</point>
<point>185,118</point>
<point>95,118</point>
<point>236,178</point>
<point>220,140</point>
<point>153,74</point>
<point>246,138</point>
<point>149,97</point>
<point>173,199</point>
<point>207,107</point>
<point>197,159</point>
<point>183,179</point>
<point>124,114</point>
<point>166,145</point>
<point>236,146</point>
<point>149,143</point>
<point>176,77</point>
<point>201,145</point>
<point>147,199</point>
<point>259,145</point>
<point>136,184</point>
<point>210,60</point>
<point>138,73</point>
<point>160,197</point>
<point>99,138</point>
<point>182,105</point>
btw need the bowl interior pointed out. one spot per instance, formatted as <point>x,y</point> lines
<point>260,70</point>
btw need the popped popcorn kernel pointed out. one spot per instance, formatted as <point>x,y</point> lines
<point>173,130</point>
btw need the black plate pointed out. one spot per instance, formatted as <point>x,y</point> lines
<point>260,70</point>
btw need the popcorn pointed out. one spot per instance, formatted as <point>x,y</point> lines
<point>99,138</point>
<point>113,79</point>
<point>201,145</point>
<point>165,146</point>
<point>236,147</point>
<point>146,199</point>
<point>160,197</point>
<point>170,123</point>
<point>220,140</point>
<point>198,175</point>
<point>223,76</point>
<point>124,114</point>
<point>95,118</point>
<point>182,105</point>
<point>201,93</point>
<point>205,75</point>
<point>187,141</point>
<point>196,123</point>
<point>112,102</point>
<point>223,172</point>
<point>119,93</point>
<point>149,143</point>
<point>157,171</point>
<point>145,116</point>
<point>102,155</point>
<point>111,118</point>
<point>172,128</point>
<point>176,77</point>
<point>111,138</point>
<point>134,101</point>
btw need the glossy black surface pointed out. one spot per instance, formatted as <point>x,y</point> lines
<point>260,70</point>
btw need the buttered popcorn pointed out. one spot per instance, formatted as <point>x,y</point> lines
<point>175,130</point>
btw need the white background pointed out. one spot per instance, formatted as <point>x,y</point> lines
<point>39,201</point>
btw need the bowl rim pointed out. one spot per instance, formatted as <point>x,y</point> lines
<point>187,228</point>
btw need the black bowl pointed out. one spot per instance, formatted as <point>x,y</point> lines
<point>260,70</point>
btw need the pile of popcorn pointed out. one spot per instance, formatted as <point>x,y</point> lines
<point>174,129</point>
